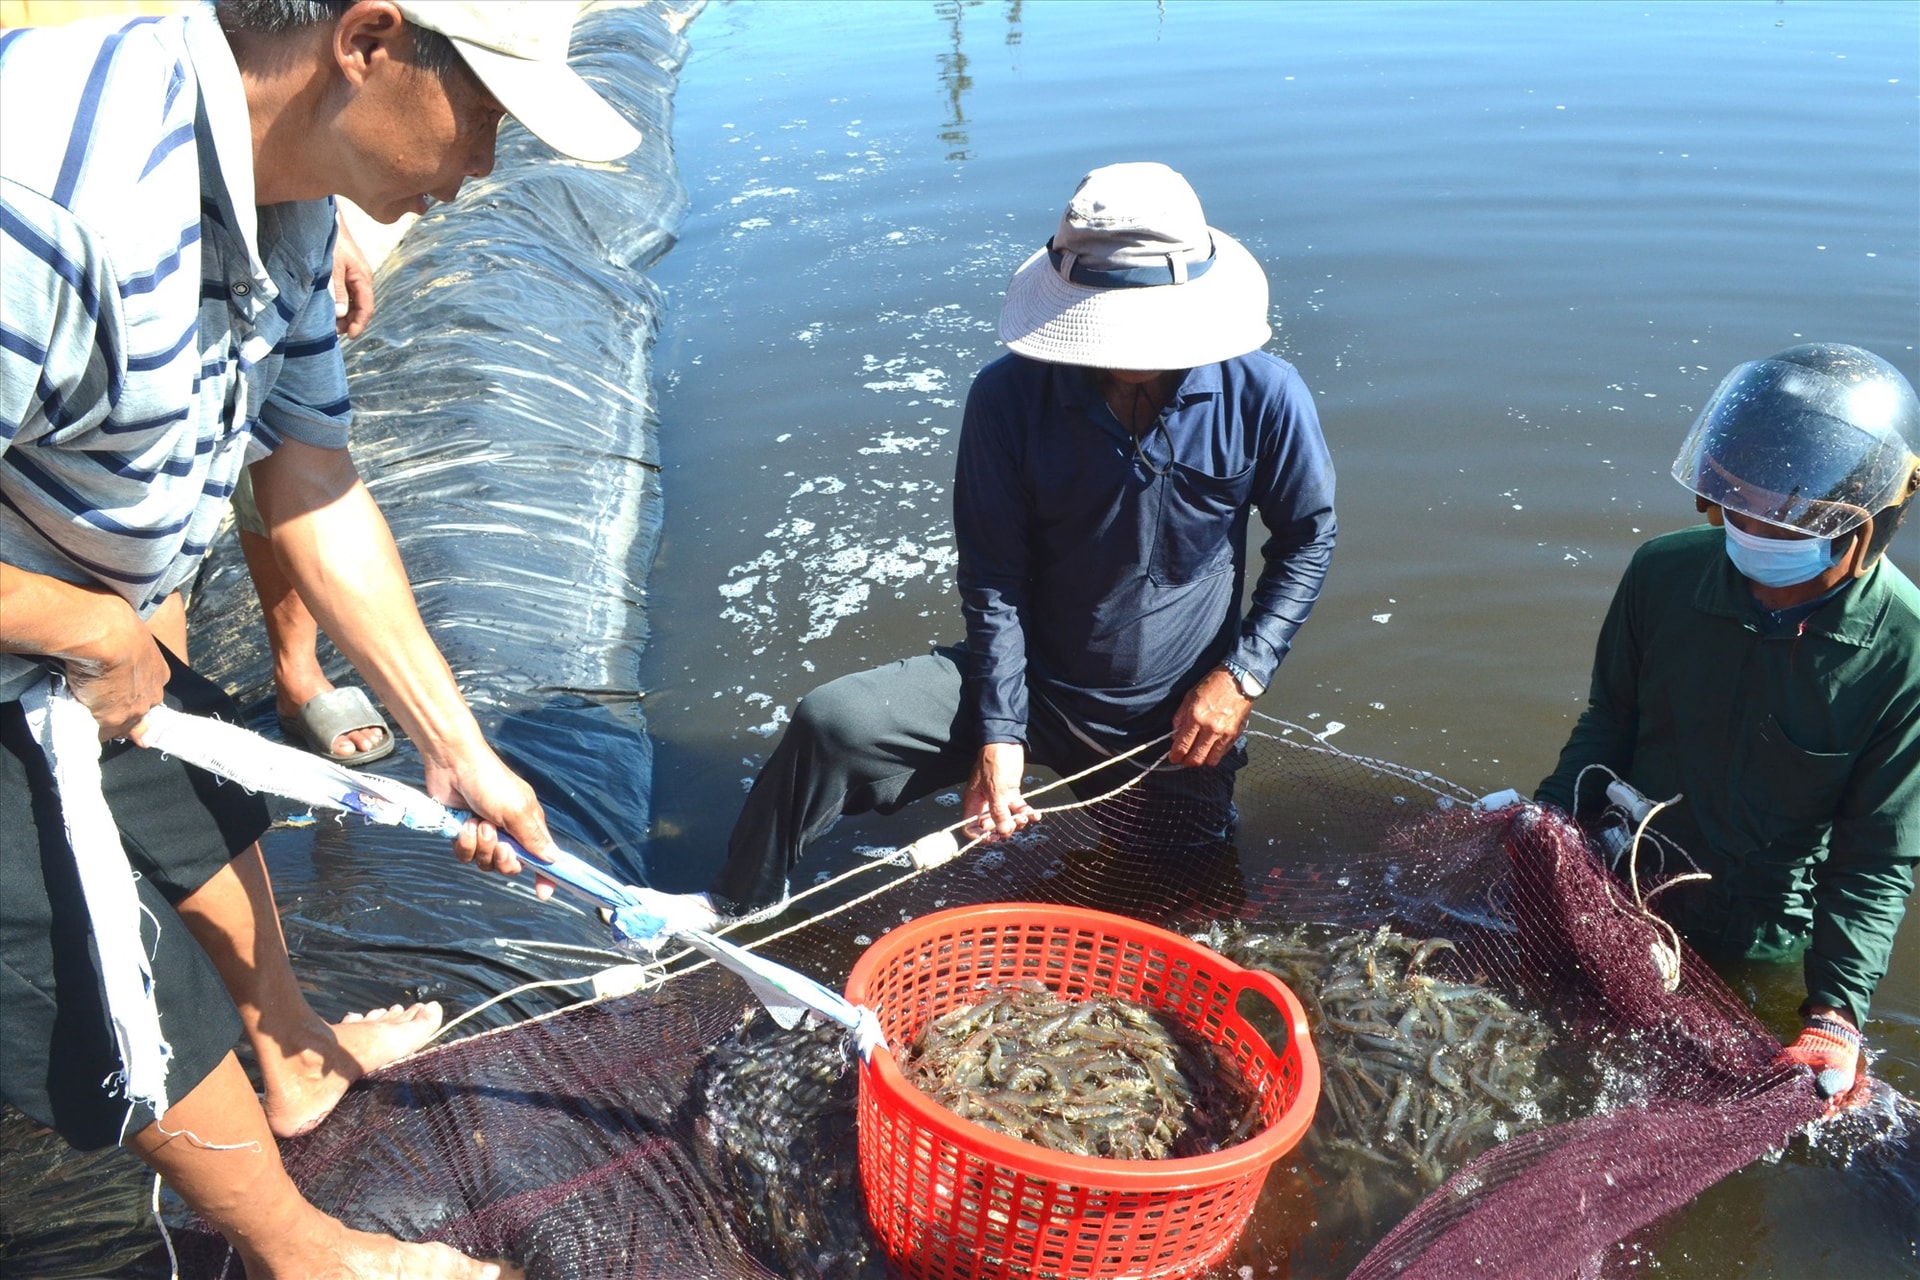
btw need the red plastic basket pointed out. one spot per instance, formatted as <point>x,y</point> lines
<point>950,1199</point>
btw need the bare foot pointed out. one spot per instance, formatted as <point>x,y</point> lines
<point>303,1089</point>
<point>344,1254</point>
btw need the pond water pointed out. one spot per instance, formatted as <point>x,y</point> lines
<point>1512,248</point>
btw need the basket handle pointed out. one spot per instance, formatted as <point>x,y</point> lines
<point>1278,994</point>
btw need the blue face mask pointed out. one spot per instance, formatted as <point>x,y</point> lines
<point>1778,562</point>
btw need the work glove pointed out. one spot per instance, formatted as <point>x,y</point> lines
<point>1831,1050</point>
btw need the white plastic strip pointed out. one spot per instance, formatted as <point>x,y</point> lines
<point>242,756</point>
<point>788,994</point>
<point>68,734</point>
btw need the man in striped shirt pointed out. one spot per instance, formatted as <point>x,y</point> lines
<point>166,234</point>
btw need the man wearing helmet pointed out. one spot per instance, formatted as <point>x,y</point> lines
<point>1765,669</point>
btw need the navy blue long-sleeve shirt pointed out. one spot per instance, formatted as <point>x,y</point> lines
<point>1108,575</point>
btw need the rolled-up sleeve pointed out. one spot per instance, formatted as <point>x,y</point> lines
<point>309,400</point>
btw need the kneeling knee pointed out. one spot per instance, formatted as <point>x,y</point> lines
<point>829,718</point>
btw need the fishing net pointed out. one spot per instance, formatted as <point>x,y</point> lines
<point>1519,1041</point>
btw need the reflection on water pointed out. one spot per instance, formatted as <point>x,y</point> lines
<point>954,80</point>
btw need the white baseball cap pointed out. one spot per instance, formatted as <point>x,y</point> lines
<point>518,50</point>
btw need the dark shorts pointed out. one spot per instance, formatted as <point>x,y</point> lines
<point>179,826</point>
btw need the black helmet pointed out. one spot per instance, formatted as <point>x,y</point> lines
<point>1816,439</point>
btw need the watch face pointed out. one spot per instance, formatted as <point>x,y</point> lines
<point>1243,680</point>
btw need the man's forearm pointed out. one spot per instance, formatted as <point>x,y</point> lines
<point>336,548</point>
<point>995,670</point>
<point>1859,902</point>
<point>337,551</point>
<point>1293,571</point>
<point>58,619</point>
<point>1598,738</point>
<point>113,665</point>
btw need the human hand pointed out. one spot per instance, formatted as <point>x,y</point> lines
<point>352,285</point>
<point>120,673</point>
<point>1829,1046</point>
<point>992,803</point>
<point>1209,721</point>
<point>499,799</point>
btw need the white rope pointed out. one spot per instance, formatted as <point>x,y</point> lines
<point>1665,948</point>
<point>195,1139</point>
<point>522,989</point>
<point>1634,811</point>
<point>70,737</point>
<point>668,973</point>
<point>956,828</point>
<point>242,756</point>
<point>166,1236</point>
<point>1432,783</point>
<point>1665,953</point>
<point>688,960</point>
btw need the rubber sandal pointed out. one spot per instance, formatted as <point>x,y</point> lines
<point>331,714</point>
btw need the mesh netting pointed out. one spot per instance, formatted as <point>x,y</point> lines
<point>1516,1051</point>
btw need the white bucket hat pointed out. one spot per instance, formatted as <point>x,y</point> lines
<point>1135,279</point>
<point>518,49</point>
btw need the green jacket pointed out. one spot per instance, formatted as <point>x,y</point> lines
<point>1797,754</point>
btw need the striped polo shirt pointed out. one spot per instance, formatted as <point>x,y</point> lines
<point>158,331</point>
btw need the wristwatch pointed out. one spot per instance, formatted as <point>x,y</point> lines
<point>1243,680</point>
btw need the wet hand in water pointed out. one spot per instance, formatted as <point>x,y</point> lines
<point>992,802</point>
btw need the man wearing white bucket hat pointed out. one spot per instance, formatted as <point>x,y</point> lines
<point>1107,471</point>
<point>165,210</point>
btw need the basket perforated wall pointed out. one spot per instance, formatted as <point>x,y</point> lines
<point>949,1199</point>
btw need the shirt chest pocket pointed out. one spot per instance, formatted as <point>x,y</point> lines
<point>1198,515</point>
<point>1797,788</point>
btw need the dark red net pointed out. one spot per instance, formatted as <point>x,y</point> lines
<point>676,1133</point>
<point>1710,1097</point>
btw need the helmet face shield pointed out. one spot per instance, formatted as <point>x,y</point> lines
<point>1809,449</point>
